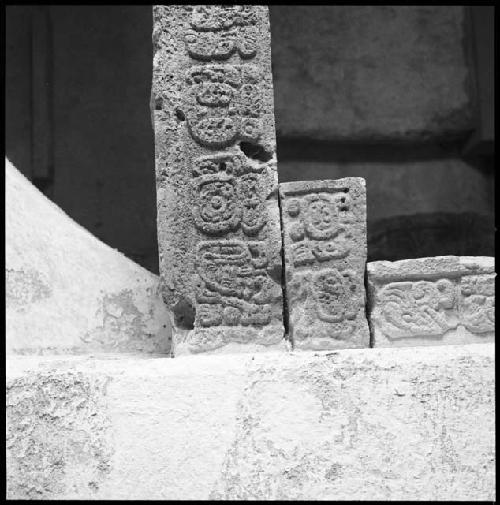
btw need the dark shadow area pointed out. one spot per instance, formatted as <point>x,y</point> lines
<point>359,151</point>
<point>184,314</point>
<point>371,117</point>
<point>103,173</point>
<point>436,234</point>
<point>255,151</point>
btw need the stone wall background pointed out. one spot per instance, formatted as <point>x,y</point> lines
<point>385,93</point>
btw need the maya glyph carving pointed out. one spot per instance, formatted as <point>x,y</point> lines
<point>324,229</point>
<point>218,216</point>
<point>444,299</point>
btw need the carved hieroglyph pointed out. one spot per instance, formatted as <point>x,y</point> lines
<point>218,216</point>
<point>445,299</point>
<point>324,230</point>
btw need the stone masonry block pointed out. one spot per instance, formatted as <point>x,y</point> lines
<point>218,216</point>
<point>428,301</point>
<point>324,230</point>
<point>369,72</point>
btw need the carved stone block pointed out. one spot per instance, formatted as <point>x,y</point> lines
<point>218,215</point>
<point>427,301</point>
<point>324,230</point>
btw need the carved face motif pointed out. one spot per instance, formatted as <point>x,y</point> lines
<point>217,210</point>
<point>321,218</point>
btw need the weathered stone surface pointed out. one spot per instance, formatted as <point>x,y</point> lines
<point>436,206</point>
<point>66,291</point>
<point>428,301</point>
<point>324,230</point>
<point>362,424</point>
<point>218,216</point>
<point>371,72</point>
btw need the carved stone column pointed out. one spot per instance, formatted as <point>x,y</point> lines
<point>218,217</point>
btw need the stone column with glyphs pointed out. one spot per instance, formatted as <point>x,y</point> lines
<point>218,216</point>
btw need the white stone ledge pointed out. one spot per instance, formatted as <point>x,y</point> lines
<point>405,423</point>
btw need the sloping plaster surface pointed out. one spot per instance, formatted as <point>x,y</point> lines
<point>66,291</point>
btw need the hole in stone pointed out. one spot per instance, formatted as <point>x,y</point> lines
<point>184,314</point>
<point>180,115</point>
<point>159,103</point>
<point>255,151</point>
<point>222,166</point>
<point>276,273</point>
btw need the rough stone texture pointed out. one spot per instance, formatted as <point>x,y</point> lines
<point>383,424</point>
<point>428,301</point>
<point>324,236</point>
<point>368,72</point>
<point>67,292</point>
<point>57,435</point>
<point>218,216</point>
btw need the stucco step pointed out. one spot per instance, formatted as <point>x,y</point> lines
<point>393,423</point>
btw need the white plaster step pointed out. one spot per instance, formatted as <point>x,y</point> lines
<point>384,424</point>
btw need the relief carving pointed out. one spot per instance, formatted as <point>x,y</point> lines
<point>250,196</point>
<point>336,296</point>
<point>442,299</point>
<point>223,104</point>
<point>227,194</point>
<point>477,303</point>
<point>216,210</point>
<point>218,214</point>
<point>222,17</point>
<point>318,227</point>
<point>418,308</point>
<point>220,31</point>
<point>234,286</point>
<point>324,230</point>
<point>321,220</point>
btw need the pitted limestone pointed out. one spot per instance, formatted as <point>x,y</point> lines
<point>428,301</point>
<point>218,216</point>
<point>324,229</point>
